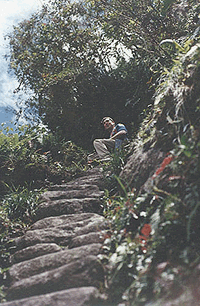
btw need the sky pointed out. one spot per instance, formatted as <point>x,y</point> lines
<point>11,13</point>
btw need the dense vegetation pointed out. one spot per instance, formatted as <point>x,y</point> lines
<point>72,58</point>
<point>154,240</point>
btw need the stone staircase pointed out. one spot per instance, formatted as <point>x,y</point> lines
<point>56,262</point>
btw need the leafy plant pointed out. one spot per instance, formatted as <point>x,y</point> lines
<point>32,156</point>
<point>20,203</point>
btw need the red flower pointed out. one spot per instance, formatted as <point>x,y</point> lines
<point>165,162</point>
<point>146,230</point>
<point>142,238</point>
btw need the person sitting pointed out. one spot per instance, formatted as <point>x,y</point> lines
<point>118,134</point>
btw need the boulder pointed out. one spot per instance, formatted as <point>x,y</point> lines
<point>140,167</point>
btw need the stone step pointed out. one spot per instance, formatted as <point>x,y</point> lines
<point>83,296</point>
<point>69,206</point>
<point>34,251</point>
<point>51,261</point>
<point>90,177</point>
<point>93,237</point>
<point>72,221</point>
<point>56,261</point>
<point>97,180</point>
<point>82,191</point>
<point>79,273</point>
<point>61,230</point>
<point>78,184</point>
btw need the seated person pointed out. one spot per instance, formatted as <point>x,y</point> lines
<point>118,133</point>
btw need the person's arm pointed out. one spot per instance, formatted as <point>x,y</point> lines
<point>120,133</point>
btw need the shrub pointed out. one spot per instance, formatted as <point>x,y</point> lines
<point>33,156</point>
<point>20,203</point>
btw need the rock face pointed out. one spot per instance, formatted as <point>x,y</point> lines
<point>140,167</point>
<point>56,261</point>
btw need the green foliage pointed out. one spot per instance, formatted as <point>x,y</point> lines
<point>33,156</point>
<point>83,60</point>
<point>125,249</point>
<point>142,25</point>
<point>20,203</point>
<point>2,295</point>
<point>76,74</point>
<point>154,266</point>
<point>73,58</point>
<point>113,168</point>
<point>172,214</point>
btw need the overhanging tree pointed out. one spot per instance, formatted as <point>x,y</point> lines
<point>142,24</point>
<point>66,53</point>
<point>65,58</point>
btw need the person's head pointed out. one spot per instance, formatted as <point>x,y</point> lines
<point>108,123</point>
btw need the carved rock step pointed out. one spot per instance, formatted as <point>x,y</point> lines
<point>91,177</point>
<point>71,222</point>
<point>34,251</point>
<point>63,230</point>
<point>60,251</point>
<point>69,206</point>
<point>97,180</point>
<point>51,261</point>
<point>82,191</point>
<point>83,296</point>
<point>78,184</point>
<point>79,273</point>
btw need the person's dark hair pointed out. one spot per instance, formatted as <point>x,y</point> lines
<point>104,118</point>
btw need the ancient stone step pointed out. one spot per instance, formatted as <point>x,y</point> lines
<point>79,273</point>
<point>72,221</point>
<point>97,180</point>
<point>94,237</point>
<point>51,261</point>
<point>78,184</point>
<point>82,191</point>
<point>83,296</point>
<point>92,177</point>
<point>49,235</point>
<point>56,262</point>
<point>61,230</point>
<point>34,251</point>
<point>69,206</point>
